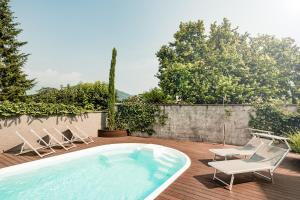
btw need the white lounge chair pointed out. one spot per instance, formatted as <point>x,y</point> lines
<point>266,158</point>
<point>79,135</point>
<point>32,142</point>
<point>56,138</point>
<point>247,150</point>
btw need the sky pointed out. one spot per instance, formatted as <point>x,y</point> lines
<point>70,41</point>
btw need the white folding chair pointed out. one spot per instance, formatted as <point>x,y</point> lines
<point>33,145</point>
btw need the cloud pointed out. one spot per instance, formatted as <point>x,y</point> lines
<point>53,78</point>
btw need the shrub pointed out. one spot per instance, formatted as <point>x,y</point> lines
<point>156,96</point>
<point>135,115</point>
<point>85,95</point>
<point>295,141</point>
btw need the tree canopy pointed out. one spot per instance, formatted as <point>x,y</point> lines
<point>223,65</point>
<point>13,81</point>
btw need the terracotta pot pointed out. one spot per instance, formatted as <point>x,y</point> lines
<point>114,133</point>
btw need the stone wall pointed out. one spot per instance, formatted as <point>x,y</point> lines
<point>89,123</point>
<point>211,123</point>
<point>207,123</point>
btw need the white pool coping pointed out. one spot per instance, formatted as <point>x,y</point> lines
<point>21,168</point>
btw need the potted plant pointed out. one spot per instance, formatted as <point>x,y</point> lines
<point>110,130</point>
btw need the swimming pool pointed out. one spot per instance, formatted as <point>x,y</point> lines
<point>116,171</point>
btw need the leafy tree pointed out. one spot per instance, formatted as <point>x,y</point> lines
<point>280,65</point>
<point>227,66</point>
<point>13,81</point>
<point>46,95</point>
<point>112,92</point>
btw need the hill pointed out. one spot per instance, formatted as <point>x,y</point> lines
<point>122,95</point>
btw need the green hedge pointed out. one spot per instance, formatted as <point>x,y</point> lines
<point>10,109</point>
<point>135,115</point>
<point>272,118</point>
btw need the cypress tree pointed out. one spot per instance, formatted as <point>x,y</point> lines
<point>13,81</point>
<point>112,92</point>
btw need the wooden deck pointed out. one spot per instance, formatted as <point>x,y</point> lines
<point>196,182</point>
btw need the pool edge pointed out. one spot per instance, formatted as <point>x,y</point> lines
<point>152,195</point>
<point>171,180</point>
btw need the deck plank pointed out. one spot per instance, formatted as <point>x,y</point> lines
<point>196,182</point>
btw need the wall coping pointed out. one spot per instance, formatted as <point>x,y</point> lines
<point>42,117</point>
<point>219,104</point>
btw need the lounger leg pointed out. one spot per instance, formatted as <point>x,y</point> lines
<point>271,175</point>
<point>231,182</point>
<point>270,178</point>
<point>214,157</point>
<point>215,174</point>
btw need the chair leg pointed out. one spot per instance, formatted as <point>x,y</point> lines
<point>231,182</point>
<point>22,149</point>
<point>214,157</point>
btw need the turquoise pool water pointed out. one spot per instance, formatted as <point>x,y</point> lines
<point>124,172</point>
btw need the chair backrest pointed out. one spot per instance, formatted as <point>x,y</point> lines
<point>252,144</point>
<point>31,138</point>
<point>269,155</point>
<point>266,140</point>
<point>78,132</point>
<point>54,133</point>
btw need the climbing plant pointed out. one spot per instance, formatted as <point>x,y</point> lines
<point>136,115</point>
<point>274,118</point>
<point>10,109</point>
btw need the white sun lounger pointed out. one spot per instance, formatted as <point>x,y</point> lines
<point>56,135</point>
<point>266,158</point>
<point>247,150</point>
<point>79,135</point>
<point>56,138</point>
<point>32,143</point>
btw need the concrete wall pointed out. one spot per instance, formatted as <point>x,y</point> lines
<point>90,123</point>
<point>206,123</point>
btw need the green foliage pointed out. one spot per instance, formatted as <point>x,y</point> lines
<point>294,140</point>
<point>13,81</point>
<point>92,96</point>
<point>156,96</point>
<point>273,118</point>
<point>112,92</point>
<point>225,65</point>
<point>135,115</point>
<point>11,109</point>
